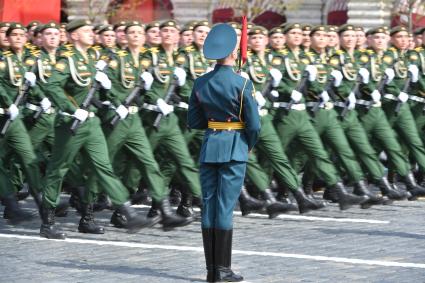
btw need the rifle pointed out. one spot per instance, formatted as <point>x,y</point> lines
<point>23,92</point>
<point>267,88</point>
<point>299,88</point>
<point>355,91</point>
<point>327,88</point>
<point>405,89</point>
<point>170,94</point>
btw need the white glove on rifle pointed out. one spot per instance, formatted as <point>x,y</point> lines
<point>324,96</point>
<point>244,75</point>
<point>364,73</point>
<point>147,79</point>
<point>31,78</point>
<point>376,96</point>
<point>164,107</point>
<point>260,99</point>
<point>103,79</point>
<point>122,111</point>
<point>274,93</point>
<point>45,104</point>
<point>414,73</point>
<point>100,65</point>
<point>276,76</point>
<point>13,112</point>
<point>390,75</point>
<point>337,75</point>
<point>403,97</point>
<point>81,114</point>
<point>351,101</point>
<point>312,72</point>
<point>181,76</point>
<point>296,96</point>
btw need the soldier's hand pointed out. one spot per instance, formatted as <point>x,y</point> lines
<point>403,97</point>
<point>45,104</point>
<point>13,112</point>
<point>296,96</point>
<point>376,96</point>
<point>100,65</point>
<point>147,80</point>
<point>390,75</point>
<point>181,76</point>
<point>324,96</point>
<point>31,78</point>
<point>414,73</point>
<point>164,107</point>
<point>260,99</point>
<point>81,114</point>
<point>103,79</point>
<point>364,73</point>
<point>122,111</point>
<point>276,76</point>
<point>312,72</point>
<point>337,75</point>
<point>274,93</point>
<point>351,101</point>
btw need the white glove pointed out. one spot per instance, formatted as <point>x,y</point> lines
<point>122,111</point>
<point>276,76</point>
<point>364,73</point>
<point>244,75</point>
<point>312,72</point>
<point>351,101</point>
<point>13,112</point>
<point>181,76</point>
<point>296,96</point>
<point>164,107</point>
<point>274,93</point>
<point>414,72</point>
<point>403,97</point>
<point>260,99</point>
<point>81,114</point>
<point>31,78</point>
<point>147,79</point>
<point>45,104</point>
<point>390,75</point>
<point>100,65</point>
<point>337,75</point>
<point>324,96</point>
<point>376,96</point>
<point>103,79</point>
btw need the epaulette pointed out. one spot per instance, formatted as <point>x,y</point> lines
<point>339,52</point>
<point>249,53</point>
<point>7,53</point>
<point>370,51</point>
<point>68,46</point>
<point>393,49</point>
<point>154,49</point>
<point>268,50</point>
<point>283,51</point>
<point>35,53</point>
<point>67,53</point>
<point>143,49</point>
<point>309,53</point>
<point>97,47</point>
<point>189,48</point>
<point>122,53</point>
<point>419,49</point>
<point>363,50</point>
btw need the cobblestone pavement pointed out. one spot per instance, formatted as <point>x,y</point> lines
<point>381,244</point>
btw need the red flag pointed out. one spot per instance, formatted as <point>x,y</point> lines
<point>243,48</point>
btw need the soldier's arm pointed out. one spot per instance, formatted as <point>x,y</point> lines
<point>392,87</point>
<point>250,115</point>
<point>344,89</point>
<point>283,88</point>
<point>5,99</point>
<point>196,118</point>
<point>182,62</point>
<point>417,88</point>
<point>35,91</point>
<point>113,72</point>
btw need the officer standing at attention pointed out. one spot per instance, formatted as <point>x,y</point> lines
<point>223,103</point>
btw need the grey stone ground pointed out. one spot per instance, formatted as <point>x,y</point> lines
<point>401,240</point>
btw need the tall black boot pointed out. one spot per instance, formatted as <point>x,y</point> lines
<point>185,208</point>
<point>305,204</point>
<point>274,207</point>
<point>87,224</point>
<point>247,203</point>
<point>223,257</point>
<point>208,240</point>
<point>134,221</point>
<point>168,219</point>
<point>77,195</point>
<point>361,189</point>
<point>344,199</point>
<point>390,191</point>
<point>48,228</point>
<point>414,189</point>
<point>12,212</point>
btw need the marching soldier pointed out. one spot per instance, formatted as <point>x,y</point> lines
<point>276,41</point>
<point>4,43</point>
<point>306,37</point>
<point>333,40</point>
<point>186,34</point>
<point>153,37</point>
<point>121,39</point>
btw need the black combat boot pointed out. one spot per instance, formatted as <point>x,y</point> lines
<point>274,207</point>
<point>339,194</point>
<point>87,224</point>
<point>60,211</point>
<point>248,204</point>
<point>283,195</point>
<point>223,257</point>
<point>141,197</point>
<point>208,240</point>
<point>185,208</point>
<point>168,219</point>
<point>305,204</point>
<point>48,228</point>
<point>103,202</point>
<point>390,191</point>
<point>77,195</point>
<point>12,212</point>
<point>118,220</point>
<point>361,189</point>
<point>134,221</point>
<point>414,189</point>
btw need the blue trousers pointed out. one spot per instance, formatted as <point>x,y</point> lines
<point>221,186</point>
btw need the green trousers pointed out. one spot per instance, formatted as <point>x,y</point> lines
<point>90,140</point>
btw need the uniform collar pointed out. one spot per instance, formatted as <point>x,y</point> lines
<point>223,67</point>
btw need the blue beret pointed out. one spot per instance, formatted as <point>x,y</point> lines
<point>220,42</point>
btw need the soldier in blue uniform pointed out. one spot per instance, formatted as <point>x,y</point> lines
<point>223,104</point>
